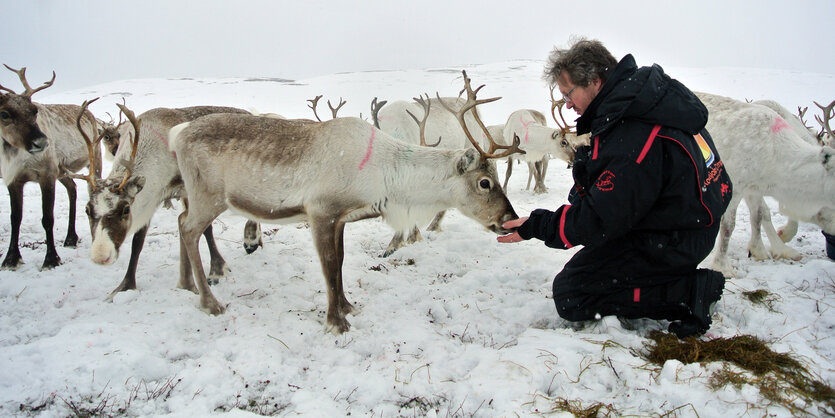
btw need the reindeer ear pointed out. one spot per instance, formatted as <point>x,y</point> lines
<point>134,186</point>
<point>470,160</point>
<point>827,155</point>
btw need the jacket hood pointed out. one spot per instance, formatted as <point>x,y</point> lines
<point>646,94</point>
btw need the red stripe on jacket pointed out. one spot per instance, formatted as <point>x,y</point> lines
<point>648,144</point>
<point>562,227</point>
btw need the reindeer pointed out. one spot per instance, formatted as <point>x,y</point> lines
<point>144,176</point>
<point>327,173</point>
<point>796,210</point>
<point>765,156</point>
<point>39,142</point>
<point>540,142</point>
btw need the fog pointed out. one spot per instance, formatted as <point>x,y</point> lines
<point>93,41</point>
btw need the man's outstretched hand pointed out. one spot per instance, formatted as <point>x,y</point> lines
<point>513,236</point>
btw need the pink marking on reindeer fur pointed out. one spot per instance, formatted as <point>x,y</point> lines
<point>163,139</point>
<point>779,125</point>
<point>526,125</point>
<point>368,151</point>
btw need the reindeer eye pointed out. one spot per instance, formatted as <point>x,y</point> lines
<point>88,210</point>
<point>484,184</point>
<point>5,115</point>
<point>564,143</point>
<point>126,211</point>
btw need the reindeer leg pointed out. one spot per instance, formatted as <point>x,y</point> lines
<point>531,170</point>
<point>414,235</point>
<point>779,249</point>
<point>539,176</point>
<point>395,244</point>
<point>344,306</point>
<point>13,259</point>
<point>192,224</point>
<point>252,236</point>
<point>326,238</point>
<point>435,225</point>
<point>721,263</point>
<point>788,231</point>
<point>507,173</point>
<point>51,260</point>
<point>129,281</point>
<point>756,248</point>
<point>218,265</point>
<point>72,238</point>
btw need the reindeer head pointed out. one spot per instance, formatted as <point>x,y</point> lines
<point>109,208</point>
<point>566,137</point>
<point>18,116</point>
<point>479,169</point>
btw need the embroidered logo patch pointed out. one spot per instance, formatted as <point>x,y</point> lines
<point>604,182</point>
<point>707,154</point>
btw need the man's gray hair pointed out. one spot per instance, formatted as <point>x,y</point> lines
<point>584,61</point>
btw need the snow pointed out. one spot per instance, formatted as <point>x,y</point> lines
<point>455,325</point>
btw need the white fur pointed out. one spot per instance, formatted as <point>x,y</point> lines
<point>764,161</point>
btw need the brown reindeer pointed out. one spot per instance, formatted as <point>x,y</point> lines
<point>328,173</point>
<point>40,141</point>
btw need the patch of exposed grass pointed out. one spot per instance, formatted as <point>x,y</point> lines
<point>778,376</point>
<point>576,408</point>
<point>762,297</point>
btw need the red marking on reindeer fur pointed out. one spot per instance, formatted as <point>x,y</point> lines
<point>164,140</point>
<point>526,125</point>
<point>368,151</point>
<point>779,125</point>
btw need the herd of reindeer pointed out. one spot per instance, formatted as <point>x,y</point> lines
<point>207,156</point>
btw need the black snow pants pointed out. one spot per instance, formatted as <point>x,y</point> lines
<point>640,275</point>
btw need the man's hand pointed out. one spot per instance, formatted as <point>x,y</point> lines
<point>513,236</point>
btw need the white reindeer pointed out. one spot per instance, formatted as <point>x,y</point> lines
<point>329,173</point>
<point>39,142</point>
<point>143,176</point>
<point>764,156</point>
<point>798,211</point>
<point>539,142</point>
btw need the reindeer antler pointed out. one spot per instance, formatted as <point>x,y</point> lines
<point>91,145</point>
<point>335,110</point>
<point>827,115</point>
<point>375,110</point>
<point>558,105</point>
<point>422,123</point>
<point>313,103</point>
<point>29,91</point>
<point>134,141</point>
<point>471,103</point>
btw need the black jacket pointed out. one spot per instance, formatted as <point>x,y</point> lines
<point>651,167</point>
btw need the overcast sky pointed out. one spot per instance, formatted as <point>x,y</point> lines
<point>94,41</point>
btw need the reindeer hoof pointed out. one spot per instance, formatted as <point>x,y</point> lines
<point>50,263</point>
<point>12,262</point>
<point>71,241</point>
<point>212,307</point>
<point>337,326</point>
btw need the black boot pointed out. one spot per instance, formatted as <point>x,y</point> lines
<point>706,291</point>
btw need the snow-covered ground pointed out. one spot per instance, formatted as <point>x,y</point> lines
<point>455,325</point>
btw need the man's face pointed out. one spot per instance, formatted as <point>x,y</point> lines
<point>577,97</point>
